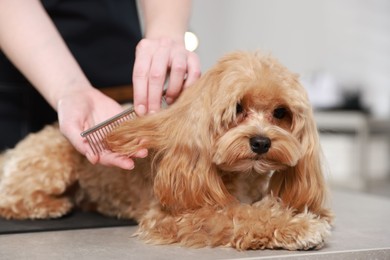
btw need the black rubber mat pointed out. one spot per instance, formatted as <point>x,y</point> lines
<point>75,220</point>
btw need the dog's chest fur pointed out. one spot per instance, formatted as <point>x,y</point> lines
<point>247,187</point>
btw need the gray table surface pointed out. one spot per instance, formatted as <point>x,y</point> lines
<point>362,231</point>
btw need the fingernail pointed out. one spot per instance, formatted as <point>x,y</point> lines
<point>142,153</point>
<point>141,110</point>
<point>131,167</point>
<point>91,158</point>
<point>169,100</point>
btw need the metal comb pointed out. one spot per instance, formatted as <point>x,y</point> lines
<point>96,136</point>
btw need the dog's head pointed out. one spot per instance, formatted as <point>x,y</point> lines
<point>246,114</point>
<point>259,112</point>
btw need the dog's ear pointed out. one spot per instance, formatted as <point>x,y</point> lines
<point>180,140</point>
<point>187,180</point>
<point>303,185</point>
<point>185,177</point>
<point>133,135</point>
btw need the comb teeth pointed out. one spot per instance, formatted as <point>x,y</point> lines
<point>96,136</point>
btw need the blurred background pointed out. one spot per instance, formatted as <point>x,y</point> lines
<point>341,49</point>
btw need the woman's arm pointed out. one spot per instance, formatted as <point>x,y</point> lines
<point>30,40</point>
<point>166,19</point>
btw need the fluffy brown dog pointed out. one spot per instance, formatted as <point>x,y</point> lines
<point>234,162</point>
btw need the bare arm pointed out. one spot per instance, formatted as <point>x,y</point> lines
<point>30,40</point>
<point>166,19</point>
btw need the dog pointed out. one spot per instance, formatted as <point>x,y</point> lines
<point>235,161</point>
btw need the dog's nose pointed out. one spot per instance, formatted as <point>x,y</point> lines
<point>260,144</point>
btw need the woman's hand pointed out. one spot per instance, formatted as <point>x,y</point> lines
<point>158,61</point>
<point>80,110</point>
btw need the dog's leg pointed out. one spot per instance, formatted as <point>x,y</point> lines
<point>36,174</point>
<point>266,224</point>
<point>269,224</point>
<point>200,228</point>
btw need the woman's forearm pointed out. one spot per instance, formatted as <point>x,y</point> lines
<point>30,40</point>
<point>166,19</point>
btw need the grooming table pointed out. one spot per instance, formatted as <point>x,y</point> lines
<point>362,231</point>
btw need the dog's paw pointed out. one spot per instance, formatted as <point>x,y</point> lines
<point>268,224</point>
<point>54,208</point>
<point>302,232</point>
<point>22,209</point>
<point>252,238</point>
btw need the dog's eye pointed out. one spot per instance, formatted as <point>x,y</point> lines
<point>239,108</point>
<point>280,112</point>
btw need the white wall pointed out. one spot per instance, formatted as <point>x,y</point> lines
<point>349,39</point>
<point>341,160</point>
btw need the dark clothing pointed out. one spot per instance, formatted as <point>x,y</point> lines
<point>22,110</point>
<point>101,34</point>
